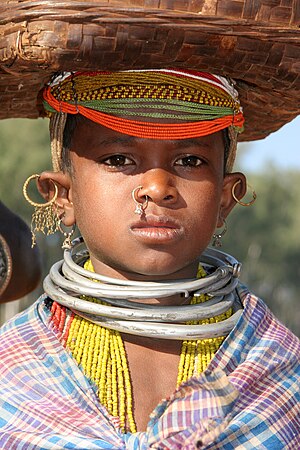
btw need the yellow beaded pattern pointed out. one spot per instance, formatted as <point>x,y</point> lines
<point>146,85</point>
<point>101,354</point>
<point>196,355</point>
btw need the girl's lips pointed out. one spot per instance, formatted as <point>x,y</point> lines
<point>157,229</point>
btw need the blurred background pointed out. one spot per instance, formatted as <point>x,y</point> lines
<point>264,237</point>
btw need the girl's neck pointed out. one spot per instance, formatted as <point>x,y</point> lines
<point>122,273</point>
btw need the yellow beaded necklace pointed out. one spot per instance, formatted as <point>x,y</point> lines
<point>101,354</point>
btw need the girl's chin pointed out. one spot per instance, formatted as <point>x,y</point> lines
<point>146,270</point>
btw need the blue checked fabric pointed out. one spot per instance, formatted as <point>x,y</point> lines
<point>248,398</point>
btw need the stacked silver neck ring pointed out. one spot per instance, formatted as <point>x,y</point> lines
<point>68,282</point>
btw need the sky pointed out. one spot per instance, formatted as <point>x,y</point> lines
<point>281,149</point>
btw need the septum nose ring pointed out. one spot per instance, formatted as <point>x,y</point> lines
<point>139,207</point>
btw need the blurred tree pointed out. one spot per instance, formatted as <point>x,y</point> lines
<point>265,238</point>
<point>24,149</point>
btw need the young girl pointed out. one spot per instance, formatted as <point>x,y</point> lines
<point>144,338</point>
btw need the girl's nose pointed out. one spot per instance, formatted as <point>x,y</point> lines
<point>158,185</point>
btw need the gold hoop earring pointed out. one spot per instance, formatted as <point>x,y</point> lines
<point>67,244</point>
<point>45,217</point>
<point>139,207</point>
<point>254,196</point>
<point>217,237</point>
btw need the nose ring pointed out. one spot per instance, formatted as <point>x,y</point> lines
<point>139,207</point>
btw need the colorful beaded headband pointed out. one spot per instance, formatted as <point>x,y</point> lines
<point>180,104</point>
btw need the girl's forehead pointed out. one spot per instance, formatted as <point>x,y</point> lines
<point>88,133</point>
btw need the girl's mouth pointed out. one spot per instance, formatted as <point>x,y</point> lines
<point>157,229</point>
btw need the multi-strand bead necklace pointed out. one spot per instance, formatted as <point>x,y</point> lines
<point>100,352</point>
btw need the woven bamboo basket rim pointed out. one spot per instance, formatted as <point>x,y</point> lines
<point>255,43</point>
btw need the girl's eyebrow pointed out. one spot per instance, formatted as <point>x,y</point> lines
<point>192,142</point>
<point>180,143</point>
<point>124,140</point>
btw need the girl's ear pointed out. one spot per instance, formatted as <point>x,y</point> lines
<point>64,202</point>
<point>236,181</point>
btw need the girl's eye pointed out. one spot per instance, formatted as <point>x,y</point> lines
<point>117,161</point>
<point>189,161</point>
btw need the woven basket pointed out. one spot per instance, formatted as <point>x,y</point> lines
<point>255,42</point>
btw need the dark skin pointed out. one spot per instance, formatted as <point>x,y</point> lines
<point>189,197</point>
<point>26,264</point>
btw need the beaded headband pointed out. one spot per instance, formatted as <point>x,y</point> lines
<point>180,104</point>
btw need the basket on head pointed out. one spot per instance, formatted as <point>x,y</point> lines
<point>255,43</point>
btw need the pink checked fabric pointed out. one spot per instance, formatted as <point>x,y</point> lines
<point>249,398</point>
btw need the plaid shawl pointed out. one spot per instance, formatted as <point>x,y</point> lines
<point>248,398</point>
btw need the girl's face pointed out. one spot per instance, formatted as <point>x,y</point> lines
<point>188,196</point>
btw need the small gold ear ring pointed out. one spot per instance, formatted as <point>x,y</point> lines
<point>45,217</point>
<point>139,207</point>
<point>67,244</point>
<point>254,196</point>
<point>217,237</point>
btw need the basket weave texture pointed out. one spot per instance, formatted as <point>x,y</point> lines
<point>257,43</point>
